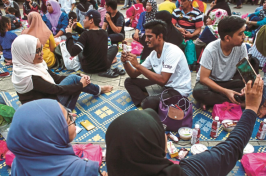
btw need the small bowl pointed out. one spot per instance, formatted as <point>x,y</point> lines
<point>185,133</point>
<point>229,129</point>
<point>248,149</point>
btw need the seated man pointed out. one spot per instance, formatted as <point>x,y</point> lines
<point>67,5</point>
<point>168,62</point>
<point>215,79</point>
<point>188,20</point>
<point>167,5</point>
<point>114,22</point>
<point>92,45</point>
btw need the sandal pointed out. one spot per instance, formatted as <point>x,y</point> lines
<point>119,71</point>
<point>8,63</point>
<point>109,74</point>
<point>123,8</point>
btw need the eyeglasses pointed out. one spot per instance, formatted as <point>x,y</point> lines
<point>39,51</point>
<point>72,121</point>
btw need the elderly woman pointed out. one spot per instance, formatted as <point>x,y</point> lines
<point>10,3</point>
<point>136,144</point>
<point>40,136</point>
<point>33,81</point>
<point>39,30</point>
<point>55,19</point>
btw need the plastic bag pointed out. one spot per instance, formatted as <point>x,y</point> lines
<point>227,111</point>
<point>9,158</point>
<point>254,164</point>
<point>190,52</point>
<point>136,48</point>
<point>71,63</point>
<point>3,149</point>
<point>89,151</point>
<point>6,114</point>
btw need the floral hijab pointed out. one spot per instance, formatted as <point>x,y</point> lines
<point>216,15</point>
<point>149,16</point>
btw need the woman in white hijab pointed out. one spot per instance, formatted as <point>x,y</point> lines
<point>32,79</point>
<point>11,3</point>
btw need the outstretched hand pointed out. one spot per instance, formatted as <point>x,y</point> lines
<point>254,94</point>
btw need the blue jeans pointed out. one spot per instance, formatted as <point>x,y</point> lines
<point>70,101</point>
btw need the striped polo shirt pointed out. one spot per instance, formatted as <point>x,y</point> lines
<point>189,21</point>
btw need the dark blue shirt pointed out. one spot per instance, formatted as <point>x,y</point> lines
<point>6,43</point>
<point>62,22</point>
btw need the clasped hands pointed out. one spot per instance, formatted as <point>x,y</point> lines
<point>132,58</point>
<point>85,79</point>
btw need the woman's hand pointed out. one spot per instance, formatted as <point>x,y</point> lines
<point>104,173</point>
<point>254,94</point>
<point>136,36</point>
<point>86,77</point>
<point>212,4</point>
<point>84,81</point>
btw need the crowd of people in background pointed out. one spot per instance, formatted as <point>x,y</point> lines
<point>162,29</point>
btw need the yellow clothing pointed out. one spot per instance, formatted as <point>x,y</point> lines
<point>48,56</point>
<point>168,6</point>
<point>79,25</point>
<point>196,5</point>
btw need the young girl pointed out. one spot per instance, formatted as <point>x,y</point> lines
<point>29,6</point>
<point>6,39</point>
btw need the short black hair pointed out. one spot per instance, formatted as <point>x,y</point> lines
<point>157,26</point>
<point>112,4</point>
<point>72,15</point>
<point>229,25</point>
<point>95,21</point>
<point>12,10</point>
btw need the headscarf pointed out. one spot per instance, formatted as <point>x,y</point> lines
<point>43,7</point>
<point>136,146</point>
<point>216,16</point>
<point>54,17</point>
<point>23,51</point>
<point>84,5</point>
<point>262,14</point>
<point>26,5</point>
<point>260,40</point>
<point>221,4</point>
<point>11,4</point>
<point>39,138</point>
<point>37,28</point>
<point>149,16</point>
<point>173,35</point>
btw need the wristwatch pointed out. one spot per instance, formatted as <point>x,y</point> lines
<point>249,22</point>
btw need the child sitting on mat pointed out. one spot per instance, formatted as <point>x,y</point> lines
<point>14,20</point>
<point>6,39</point>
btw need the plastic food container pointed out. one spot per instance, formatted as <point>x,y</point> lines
<point>248,149</point>
<point>185,133</point>
<point>198,148</point>
<point>228,129</point>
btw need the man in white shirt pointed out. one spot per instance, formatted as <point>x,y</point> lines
<point>168,62</point>
<point>67,5</point>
